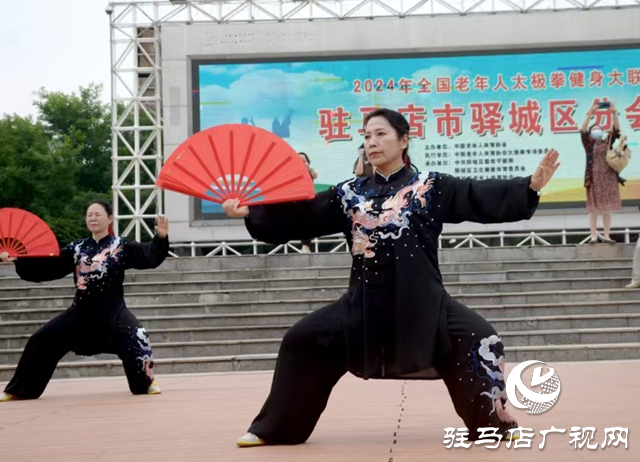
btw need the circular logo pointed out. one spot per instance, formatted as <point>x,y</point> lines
<point>537,402</point>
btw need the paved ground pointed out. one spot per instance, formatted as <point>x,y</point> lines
<point>199,417</point>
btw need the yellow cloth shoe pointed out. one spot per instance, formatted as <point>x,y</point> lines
<point>249,440</point>
<point>153,389</point>
<point>7,397</point>
<point>512,436</point>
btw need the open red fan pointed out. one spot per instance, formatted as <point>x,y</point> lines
<point>23,234</point>
<point>237,161</point>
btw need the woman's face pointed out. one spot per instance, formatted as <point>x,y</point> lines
<point>382,144</point>
<point>597,133</point>
<point>97,219</point>
<point>304,159</point>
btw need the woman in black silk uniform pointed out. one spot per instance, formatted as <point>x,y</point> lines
<point>396,321</point>
<point>98,320</point>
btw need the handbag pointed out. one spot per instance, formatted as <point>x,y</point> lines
<point>618,157</point>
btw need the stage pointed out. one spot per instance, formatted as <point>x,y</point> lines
<point>199,417</point>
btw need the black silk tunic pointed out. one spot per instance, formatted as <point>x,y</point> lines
<point>98,269</point>
<point>393,314</point>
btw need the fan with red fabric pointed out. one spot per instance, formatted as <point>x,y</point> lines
<point>237,161</point>
<point>23,234</point>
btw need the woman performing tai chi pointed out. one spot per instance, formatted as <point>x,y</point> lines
<point>396,321</point>
<point>98,320</point>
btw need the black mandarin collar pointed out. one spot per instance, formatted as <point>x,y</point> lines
<point>102,241</point>
<point>397,175</point>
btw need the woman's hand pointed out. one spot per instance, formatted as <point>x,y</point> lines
<point>545,170</point>
<point>233,210</point>
<point>162,226</point>
<point>5,258</point>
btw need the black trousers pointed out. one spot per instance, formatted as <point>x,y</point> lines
<point>311,361</point>
<point>69,332</point>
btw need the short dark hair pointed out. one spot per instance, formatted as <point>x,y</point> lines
<point>105,205</point>
<point>305,156</point>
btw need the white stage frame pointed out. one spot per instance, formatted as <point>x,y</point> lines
<point>137,68</point>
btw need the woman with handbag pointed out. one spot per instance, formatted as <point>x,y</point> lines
<point>306,243</point>
<point>600,180</point>
<point>362,167</point>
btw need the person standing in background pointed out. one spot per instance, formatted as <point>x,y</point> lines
<point>306,243</point>
<point>362,167</point>
<point>635,275</point>
<point>600,180</point>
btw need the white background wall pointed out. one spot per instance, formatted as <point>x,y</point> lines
<point>440,34</point>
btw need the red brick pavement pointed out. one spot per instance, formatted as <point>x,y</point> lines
<point>199,417</point>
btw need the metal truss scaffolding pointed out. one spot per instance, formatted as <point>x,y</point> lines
<point>136,71</point>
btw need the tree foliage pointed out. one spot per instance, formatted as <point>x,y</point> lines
<point>54,164</point>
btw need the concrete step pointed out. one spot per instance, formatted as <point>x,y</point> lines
<point>529,310</point>
<point>183,334</point>
<point>162,298</point>
<point>255,362</point>
<point>258,306</point>
<point>303,305</point>
<point>586,352</point>
<point>233,286</point>
<point>224,314</point>
<point>587,296</point>
<point>289,318</point>
<point>569,252</point>
<point>175,350</point>
<point>466,288</point>
<point>570,322</point>
<point>485,286</point>
<point>110,368</point>
<point>556,252</point>
<point>542,291</point>
<point>153,276</point>
<point>622,271</point>
<point>604,328</point>
<point>516,331</point>
<point>473,268</point>
<point>218,280</point>
<point>182,321</point>
<point>572,336</point>
<point>182,286</point>
<point>533,265</point>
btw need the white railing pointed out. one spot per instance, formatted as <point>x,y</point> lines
<point>338,243</point>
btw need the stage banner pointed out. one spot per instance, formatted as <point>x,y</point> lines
<point>482,116</point>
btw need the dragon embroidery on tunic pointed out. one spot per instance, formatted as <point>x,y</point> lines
<point>88,269</point>
<point>369,225</point>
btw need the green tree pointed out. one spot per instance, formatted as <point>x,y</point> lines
<point>83,122</point>
<point>54,165</point>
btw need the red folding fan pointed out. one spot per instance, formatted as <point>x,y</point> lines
<point>237,161</point>
<point>23,234</point>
